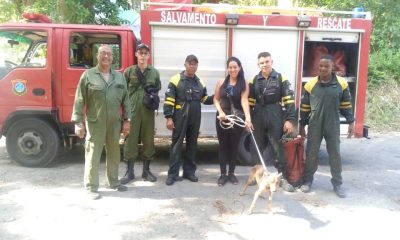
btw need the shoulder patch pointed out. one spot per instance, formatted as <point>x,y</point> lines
<point>175,79</point>
<point>283,78</point>
<point>253,79</point>
<point>311,84</point>
<point>342,82</point>
<point>202,83</point>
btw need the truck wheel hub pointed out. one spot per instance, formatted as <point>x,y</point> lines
<point>30,143</point>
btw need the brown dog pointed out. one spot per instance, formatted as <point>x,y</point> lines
<point>266,181</point>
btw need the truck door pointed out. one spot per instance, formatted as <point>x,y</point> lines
<point>78,50</point>
<point>170,47</point>
<point>282,44</point>
<point>25,70</point>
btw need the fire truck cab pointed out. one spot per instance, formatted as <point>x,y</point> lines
<point>40,67</point>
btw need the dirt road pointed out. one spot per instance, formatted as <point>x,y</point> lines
<point>49,203</point>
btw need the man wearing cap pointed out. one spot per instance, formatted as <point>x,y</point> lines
<point>182,110</point>
<point>100,94</point>
<point>269,93</point>
<point>140,77</point>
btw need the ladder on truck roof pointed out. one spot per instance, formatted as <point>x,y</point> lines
<point>241,9</point>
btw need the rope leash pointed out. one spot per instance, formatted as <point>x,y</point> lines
<point>232,120</point>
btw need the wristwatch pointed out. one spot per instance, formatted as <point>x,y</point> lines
<point>127,119</point>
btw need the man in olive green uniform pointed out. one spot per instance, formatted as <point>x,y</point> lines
<point>142,124</point>
<point>324,97</point>
<point>100,94</point>
<point>182,110</point>
<point>269,93</point>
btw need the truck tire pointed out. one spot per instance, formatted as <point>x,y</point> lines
<point>32,142</point>
<point>244,155</point>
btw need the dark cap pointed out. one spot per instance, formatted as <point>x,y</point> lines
<point>191,58</point>
<point>141,46</point>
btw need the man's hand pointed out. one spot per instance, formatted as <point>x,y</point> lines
<point>170,124</point>
<point>350,131</point>
<point>302,131</point>
<point>288,127</point>
<point>126,127</point>
<point>80,130</point>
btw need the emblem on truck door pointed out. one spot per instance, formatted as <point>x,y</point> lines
<point>19,87</point>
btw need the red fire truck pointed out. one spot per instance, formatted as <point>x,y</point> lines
<point>296,38</point>
<point>41,63</point>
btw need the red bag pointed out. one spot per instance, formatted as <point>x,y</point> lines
<point>339,65</point>
<point>294,152</point>
<point>317,51</point>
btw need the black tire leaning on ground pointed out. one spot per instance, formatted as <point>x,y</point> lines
<point>244,154</point>
<point>32,142</point>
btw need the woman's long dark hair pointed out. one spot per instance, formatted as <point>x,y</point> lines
<point>241,82</point>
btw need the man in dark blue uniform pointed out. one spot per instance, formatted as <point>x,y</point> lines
<point>182,110</point>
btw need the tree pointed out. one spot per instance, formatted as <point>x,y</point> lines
<point>66,11</point>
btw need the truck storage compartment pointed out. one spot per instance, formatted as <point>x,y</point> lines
<point>344,48</point>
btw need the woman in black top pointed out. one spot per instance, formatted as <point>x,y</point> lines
<point>231,97</point>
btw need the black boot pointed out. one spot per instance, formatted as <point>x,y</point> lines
<point>147,175</point>
<point>129,175</point>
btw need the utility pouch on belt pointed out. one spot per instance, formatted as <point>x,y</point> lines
<point>151,100</point>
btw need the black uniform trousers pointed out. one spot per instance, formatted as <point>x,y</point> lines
<point>228,146</point>
<point>268,129</point>
<point>187,125</point>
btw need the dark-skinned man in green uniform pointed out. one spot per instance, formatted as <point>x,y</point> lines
<point>182,109</point>
<point>324,97</point>
<point>270,92</point>
<point>100,94</point>
<point>142,124</point>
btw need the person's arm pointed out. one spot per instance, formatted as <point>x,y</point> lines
<point>252,94</point>
<point>217,100</point>
<point>244,100</point>
<point>79,105</point>
<point>305,111</point>
<point>346,108</point>
<point>288,102</point>
<point>169,101</point>
<point>158,81</point>
<point>126,104</point>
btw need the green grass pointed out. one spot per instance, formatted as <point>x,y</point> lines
<point>383,107</point>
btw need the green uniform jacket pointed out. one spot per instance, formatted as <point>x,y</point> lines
<point>102,101</point>
<point>136,88</point>
<point>322,103</point>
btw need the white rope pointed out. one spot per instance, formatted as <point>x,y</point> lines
<point>230,121</point>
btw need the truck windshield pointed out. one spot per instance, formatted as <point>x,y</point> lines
<point>22,48</point>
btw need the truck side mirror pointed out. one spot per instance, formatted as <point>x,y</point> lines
<point>12,42</point>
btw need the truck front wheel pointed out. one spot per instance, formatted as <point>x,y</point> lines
<point>32,142</point>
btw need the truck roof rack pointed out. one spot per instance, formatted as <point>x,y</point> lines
<point>260,10</point>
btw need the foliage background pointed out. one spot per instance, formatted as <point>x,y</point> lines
<point>383,111</point>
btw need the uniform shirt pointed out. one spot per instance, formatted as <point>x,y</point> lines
<point>101,100</point>
<point>136,88</point>
<point>182,89</point>
<point>285,93</point>
<point>324,101</point>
